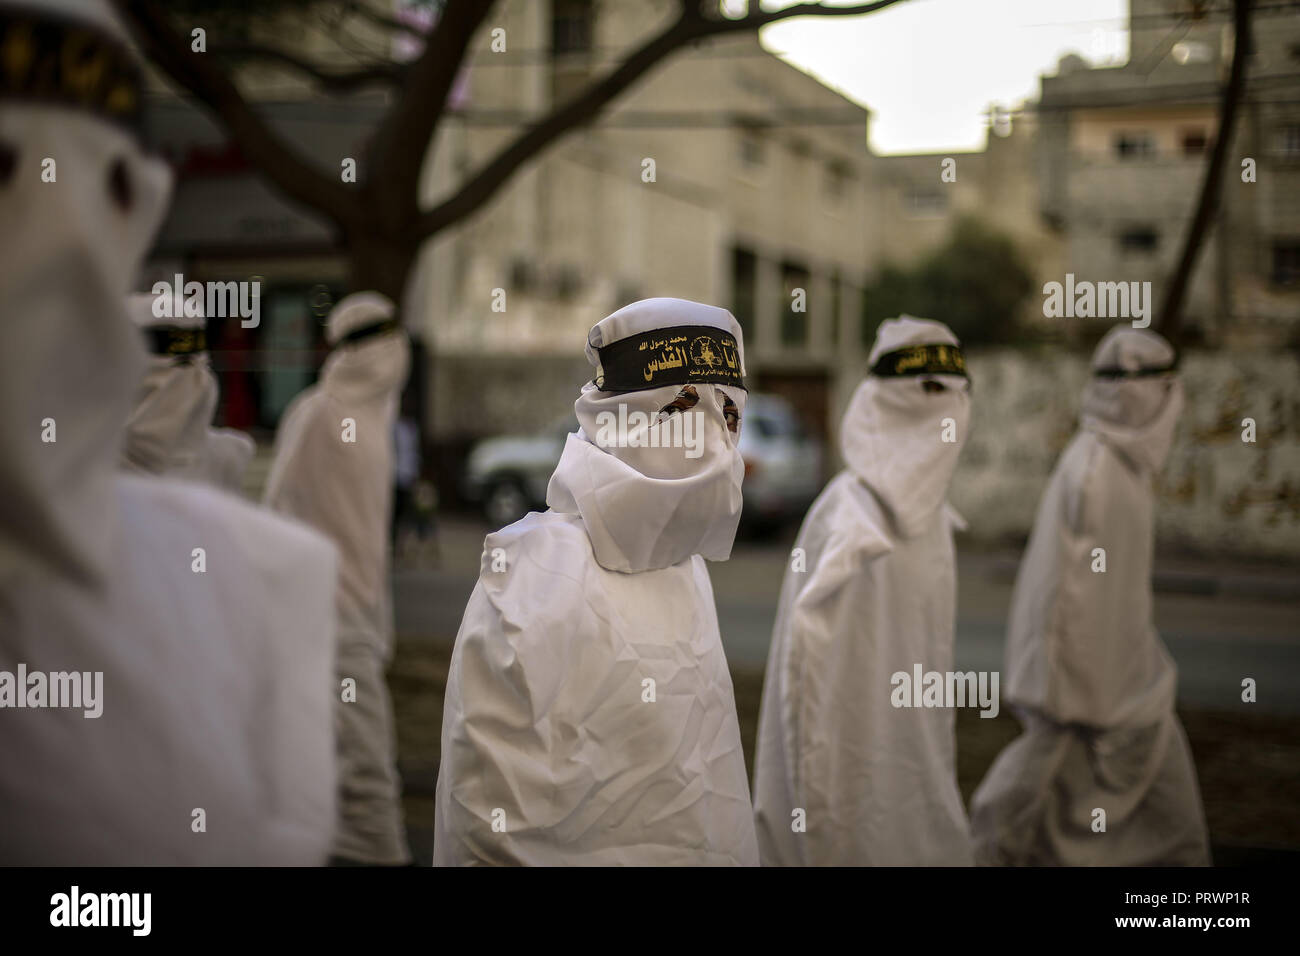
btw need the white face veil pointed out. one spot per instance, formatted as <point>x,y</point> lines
<point>1134,399</point>
<point>654,470</point>
<point>899,438</point>
<point>168,428</point>
<point>69,250</point>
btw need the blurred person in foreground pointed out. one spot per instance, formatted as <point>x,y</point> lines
<point>1087,674</point>
<point>333,469</point>
<point>165,649</point>
<point>589,716</point>
<point>843,775</point>
<point>170,430</point>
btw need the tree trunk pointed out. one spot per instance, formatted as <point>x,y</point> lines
<point>1169,321</point>
<point>378,262</point>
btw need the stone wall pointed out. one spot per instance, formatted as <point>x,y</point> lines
<point>1217,495</point>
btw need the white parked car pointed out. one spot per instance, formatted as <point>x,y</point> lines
<point>508,474</point>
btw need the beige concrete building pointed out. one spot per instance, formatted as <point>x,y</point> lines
<point>725,176</point>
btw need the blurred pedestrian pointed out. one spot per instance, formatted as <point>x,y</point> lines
<point>170,429</point>
<point>164,648</point>
<point>843,776</point>
<point>333,469</point>
<point>1102,774</point>
<point>589,715</point>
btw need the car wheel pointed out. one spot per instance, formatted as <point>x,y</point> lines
<point>505,502</point>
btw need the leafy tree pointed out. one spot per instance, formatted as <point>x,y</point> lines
<point>976,282</point>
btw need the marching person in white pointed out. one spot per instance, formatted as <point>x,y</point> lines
<point>200,625</point>
<point>1087,674</point>
<point>333,468</point>
<point>589,716</point>
<point>842,776</point>
<point>170,430</point>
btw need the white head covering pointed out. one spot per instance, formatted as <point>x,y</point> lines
<point>168,429</point>
<point>893,430</point>
<point>68,251</point>
<point>1136,406</point>
<point>646,506</point>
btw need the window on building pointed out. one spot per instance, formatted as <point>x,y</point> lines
<point>794,307</point>
<point>571,26</point>
<point>1286,261</point>
<point>744,289</point>
<point>1195,142</point>
<point>925,203</point>
<point>753,150</point>
<point>1134,144</point>
<point>1139,239</point>
<point>1288,141</point>
<point>837,180</point>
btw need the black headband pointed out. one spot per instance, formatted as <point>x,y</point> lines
<point>367,331</point>
<point>174,341</point>
<point>922,360</point>
<point>682,355</point>
<point>1114,371</point>
<point>62,62</point>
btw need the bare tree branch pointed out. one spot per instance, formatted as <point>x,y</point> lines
<point>334,82</point>
<point>199,74</point>
<point>582,109</point>
<point>366,12</point>
<point>404,136</point>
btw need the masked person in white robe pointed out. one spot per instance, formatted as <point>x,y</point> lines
<point>333,468</point>
<point>589,716</point>
<point>842,775</point>
<point>1087,674</point>
<point>170,430</point>
<point>165,649</point>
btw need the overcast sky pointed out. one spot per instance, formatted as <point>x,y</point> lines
<point>928,69</point>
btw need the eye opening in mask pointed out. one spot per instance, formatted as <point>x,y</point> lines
<point>932,386</point>
<point>8,162</point>
<point>119,184</point>
<point>730,413</point>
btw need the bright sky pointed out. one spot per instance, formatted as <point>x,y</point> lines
<point>928,69</point>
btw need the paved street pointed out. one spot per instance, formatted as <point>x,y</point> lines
<point>1250,628</point>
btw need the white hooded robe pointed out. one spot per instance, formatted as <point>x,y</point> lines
<point>204,623</point>
<point>589,716</point>
<point>170,429</point>
<point>1086,671</point>
<point>333,469</point>
<point>843,777</point>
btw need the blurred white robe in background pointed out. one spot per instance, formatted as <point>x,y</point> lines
<point>344,488</point>
<point>209,620</point>
<point>1086,671</point>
